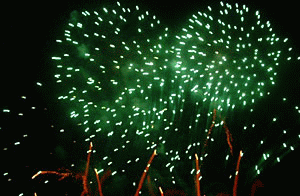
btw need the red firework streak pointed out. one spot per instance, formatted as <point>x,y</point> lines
<point>228,134</point>
<point>99,183</point>
<point>85,182</point>
<point>237,175</point>
<point>145,173</point>
<point>197,177</point>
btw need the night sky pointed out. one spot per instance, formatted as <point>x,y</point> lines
<point>46,134</point>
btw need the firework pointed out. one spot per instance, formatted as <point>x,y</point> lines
<point>118,80</point>
<point>230,56</point>
<point>123,79</point>
<point>130,85</point>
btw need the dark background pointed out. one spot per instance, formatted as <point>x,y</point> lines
<point>28,30</point>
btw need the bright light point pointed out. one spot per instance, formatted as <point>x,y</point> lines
<point>227,157</point>
<point>284,145</point>
<point>292,148</point>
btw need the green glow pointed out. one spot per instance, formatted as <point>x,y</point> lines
<point>133,86</point>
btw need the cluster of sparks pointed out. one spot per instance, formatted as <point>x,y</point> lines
<point>230,60</point>
<point>131,89</point>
